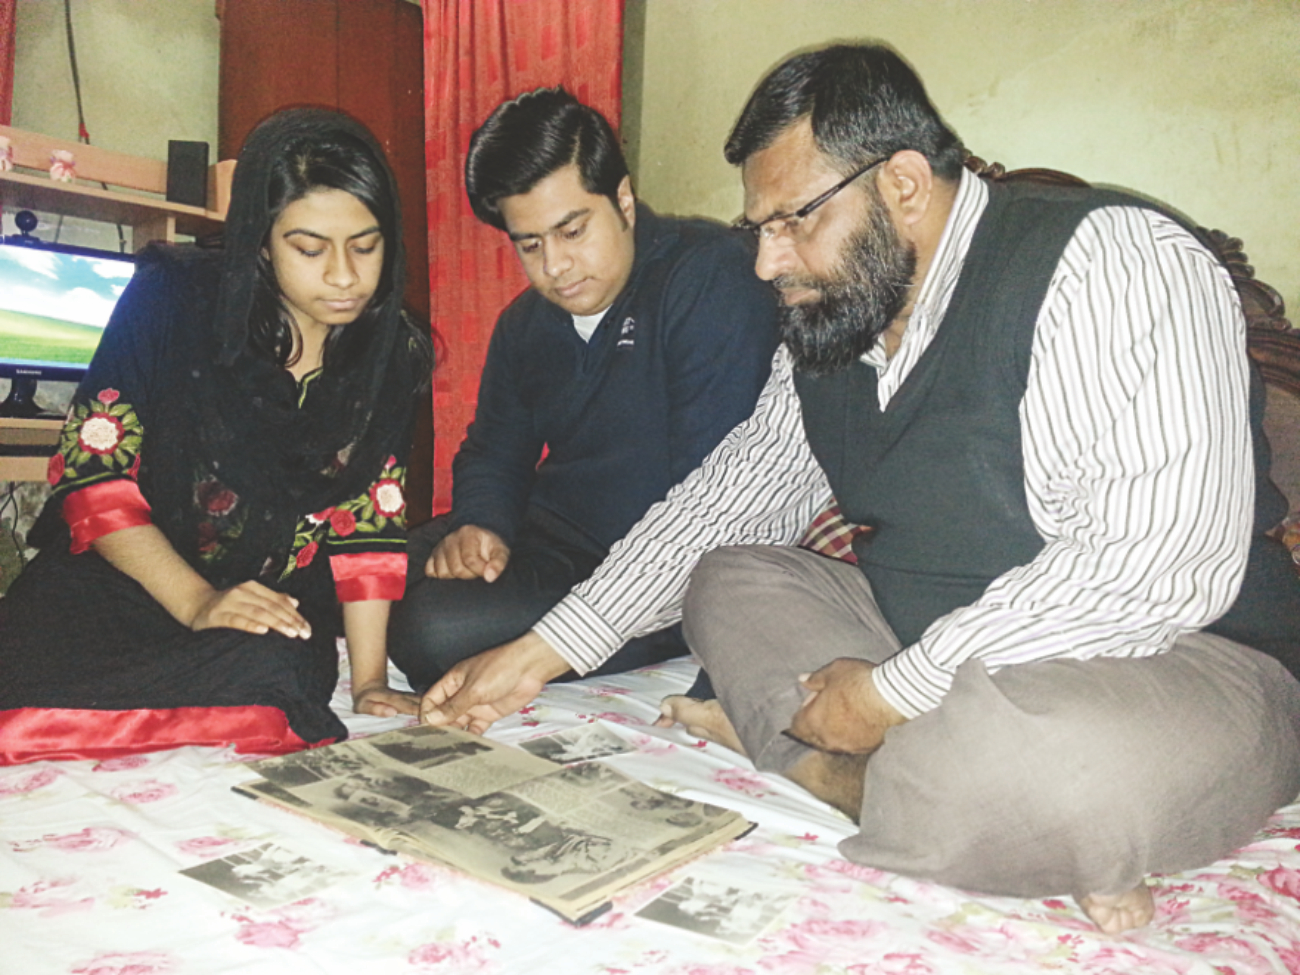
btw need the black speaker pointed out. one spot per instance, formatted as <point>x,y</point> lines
<point>187,173</point>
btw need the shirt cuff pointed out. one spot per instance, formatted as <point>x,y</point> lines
<point>579,634</point>
<point>359,576</point>
<point>911,682</point>
<point>101,509</point>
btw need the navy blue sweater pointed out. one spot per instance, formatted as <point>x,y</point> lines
<point>676,362</point>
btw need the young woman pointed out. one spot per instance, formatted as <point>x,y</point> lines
<point>229,476</point>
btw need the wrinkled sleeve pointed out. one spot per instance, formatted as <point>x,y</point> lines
<point>366,540</point>
<point>94,472</point>
<point>760,486</point>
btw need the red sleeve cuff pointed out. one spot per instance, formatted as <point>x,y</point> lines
<point>359,576</point>
<point>101,509</point>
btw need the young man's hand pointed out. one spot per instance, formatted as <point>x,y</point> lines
<point>469,552</point>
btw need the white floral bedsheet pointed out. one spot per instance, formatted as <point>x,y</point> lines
<point>90,855</point>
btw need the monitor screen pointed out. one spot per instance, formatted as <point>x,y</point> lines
<point>54,303</point>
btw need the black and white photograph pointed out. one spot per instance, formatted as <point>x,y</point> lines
<point>573,853</point>
<point>577,745</point>
<point>736,915</point>
<point>266,876</point>
<point>502,819</point>
<point>384,798</point>
<point>427,750</point>
<point>313,765</point>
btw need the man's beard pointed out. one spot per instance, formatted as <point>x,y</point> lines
<point>826,335</point>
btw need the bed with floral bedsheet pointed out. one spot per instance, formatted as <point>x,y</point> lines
<point>92,854</point>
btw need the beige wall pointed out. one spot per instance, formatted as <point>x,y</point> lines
<point>1193,102</point>
<point>148,71</point>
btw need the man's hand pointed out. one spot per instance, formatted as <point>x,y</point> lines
<point>382,701</point>
<point>253,608</point>
<point>844,713</point>
<point>487,687</point>
<point>469,552</point>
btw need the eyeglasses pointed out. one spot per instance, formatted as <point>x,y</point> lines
<point>787,224</point>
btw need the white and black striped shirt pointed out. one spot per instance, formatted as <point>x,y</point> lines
<point>1138,469</point>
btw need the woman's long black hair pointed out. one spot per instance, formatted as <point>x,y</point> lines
<point>287,449</point>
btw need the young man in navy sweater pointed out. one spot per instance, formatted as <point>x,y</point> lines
<point>642,341</point>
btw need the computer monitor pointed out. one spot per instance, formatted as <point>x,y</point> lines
<point>54,303</point>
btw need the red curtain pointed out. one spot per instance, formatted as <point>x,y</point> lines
<point>7,30</point>
<point>477,53</point>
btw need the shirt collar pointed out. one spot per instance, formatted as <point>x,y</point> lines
<point>941,279</point>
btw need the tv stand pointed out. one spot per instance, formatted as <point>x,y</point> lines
<point>26,446</point>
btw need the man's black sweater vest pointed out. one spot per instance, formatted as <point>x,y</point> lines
<point>940,474</point>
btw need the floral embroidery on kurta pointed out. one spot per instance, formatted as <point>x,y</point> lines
<point>371,517</point>
<point>101,440</point>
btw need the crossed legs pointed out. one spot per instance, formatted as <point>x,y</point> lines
<point>1076,777</point>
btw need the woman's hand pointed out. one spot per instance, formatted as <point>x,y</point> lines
<point>382,701</point>
<point>253,608</point>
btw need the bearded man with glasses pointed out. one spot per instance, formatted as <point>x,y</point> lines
<point>1066,656</point>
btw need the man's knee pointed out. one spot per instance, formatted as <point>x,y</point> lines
<point>718,571</point>
<point>1082,776</point>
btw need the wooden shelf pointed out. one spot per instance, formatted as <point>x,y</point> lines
<point>136,199</point>
<point>148,218</point>
<point>42,435</point>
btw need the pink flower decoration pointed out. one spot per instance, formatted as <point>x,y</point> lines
<point>108,396</point>
<point>462,959</point>
<point>55,469</point>
<point>739,780</point>
<point>320,516</point>
<point>269,934</point>
<point>203,845</point>
<point>387,497</point>
<point>29,782</point>
<point>344,523</point>
<point>128,963</point>
<point>89,840</point>
<point>308,553</point>
<point>1284,880</point>
<point>53,898</point>
<point>392,462</point>
<point>414,876</point>
<point>150,790</point>
<point>1290,957</point>
<point>616,717</point>
<point>134,472</point>
<point>894,963</point>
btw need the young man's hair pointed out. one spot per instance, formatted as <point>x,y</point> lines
<point>529,137</point>
<point>863,102</point>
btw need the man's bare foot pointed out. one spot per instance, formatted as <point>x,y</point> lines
<point>833,778</point>
<point>703,719</point>
<point>1114,913</point>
